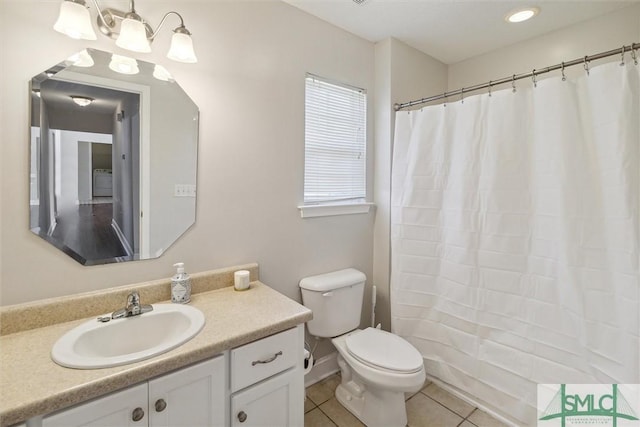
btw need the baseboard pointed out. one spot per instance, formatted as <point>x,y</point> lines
<point>469,399</point>
<point>322,368</point>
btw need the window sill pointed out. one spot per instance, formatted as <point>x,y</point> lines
<point>330,209</point>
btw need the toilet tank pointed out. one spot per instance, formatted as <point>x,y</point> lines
<point>336,301</point>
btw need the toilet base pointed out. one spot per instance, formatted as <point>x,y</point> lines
<point>373,406</point>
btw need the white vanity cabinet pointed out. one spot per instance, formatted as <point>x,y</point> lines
<point>277,401</point>
<point>267,381</point>
<point>116,409</point>
<point>257,384</point>
<point>192,396</point>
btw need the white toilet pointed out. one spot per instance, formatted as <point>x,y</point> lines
<point>377,367</point>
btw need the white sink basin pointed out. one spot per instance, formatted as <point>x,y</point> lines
<point>94,344</point>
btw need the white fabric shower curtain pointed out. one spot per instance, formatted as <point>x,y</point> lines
<point>515,237</point>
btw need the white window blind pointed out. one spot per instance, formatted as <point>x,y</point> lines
<point>335,142</point>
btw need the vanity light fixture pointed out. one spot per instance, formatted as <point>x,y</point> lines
<point>129,29</point>
<point>521,15</point>
<point>82,101</point>
<point>123,64</point>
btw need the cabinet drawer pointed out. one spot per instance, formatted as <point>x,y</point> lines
<point>261,359</point>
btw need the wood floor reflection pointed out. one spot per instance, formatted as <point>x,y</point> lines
<point>87,232</point>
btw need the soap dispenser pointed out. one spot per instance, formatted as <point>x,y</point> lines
<point>180,285</point>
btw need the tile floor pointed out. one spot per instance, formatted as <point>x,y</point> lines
<point>431,407</point>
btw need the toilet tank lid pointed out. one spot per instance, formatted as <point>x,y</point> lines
<point>334,280</point>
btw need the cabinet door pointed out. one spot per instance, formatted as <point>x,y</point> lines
<point>117,409</point>
<point>193,396</point>
<point>278,401</point>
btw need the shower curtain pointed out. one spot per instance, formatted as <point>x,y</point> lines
<point>514,233</point>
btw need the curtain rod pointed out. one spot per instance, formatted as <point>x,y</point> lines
<point>585,61</point>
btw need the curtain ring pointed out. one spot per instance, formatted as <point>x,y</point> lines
<point>513,83</point>
<point>586,65</point>
<point>489,87</point>
<point>462,95</point>
<point>622,57</point>
<point>564,78</point>
<point>444,95</point>
<point>533,78</point>
<point>634,56</point>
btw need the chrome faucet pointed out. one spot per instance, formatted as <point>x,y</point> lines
<point>133,307</point>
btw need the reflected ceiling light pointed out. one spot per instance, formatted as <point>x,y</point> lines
<point>521,15</point>
<point>129,29</point>
<point>82,101</point>
<point>123,64</point>
<point>81,59</point>
<point>37,92</point>
<point>161,73</point>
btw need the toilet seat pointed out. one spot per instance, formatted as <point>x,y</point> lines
<point>383,350</point>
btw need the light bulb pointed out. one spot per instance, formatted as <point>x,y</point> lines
<point>522,15</point>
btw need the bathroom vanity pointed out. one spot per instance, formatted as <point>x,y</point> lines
<point>245,367</point>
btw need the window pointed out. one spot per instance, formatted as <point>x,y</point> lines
<point>335,143</point>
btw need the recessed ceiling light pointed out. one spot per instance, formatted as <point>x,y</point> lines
<point>82,101</point>
<point>521,15</point>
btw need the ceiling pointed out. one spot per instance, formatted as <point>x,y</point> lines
<point>453,30</point>
<point>58,94</point>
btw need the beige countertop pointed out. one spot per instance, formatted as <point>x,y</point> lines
<point>31,384</point>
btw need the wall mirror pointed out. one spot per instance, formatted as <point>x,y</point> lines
<point>113,151</point>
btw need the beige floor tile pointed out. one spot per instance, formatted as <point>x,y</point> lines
<point>467,424</point>
<point>339,414</point>
<point>315,418</point>
<point>427,383</point>
<point>308,405</point>
<point>482,419</point>
<point>447,399</point>
<point>408,396</point>
<point>425,412</point>
<point>324,390</point>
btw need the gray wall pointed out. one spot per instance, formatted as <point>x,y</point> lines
<point>401,73</point>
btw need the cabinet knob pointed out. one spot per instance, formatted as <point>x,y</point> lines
<point>137,414</point>
<point>242,416</point>
<point>160,405</point>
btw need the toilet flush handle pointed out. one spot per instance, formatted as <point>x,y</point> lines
<point>327,294</point>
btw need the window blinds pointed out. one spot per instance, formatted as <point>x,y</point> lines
<point>335,142</point>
